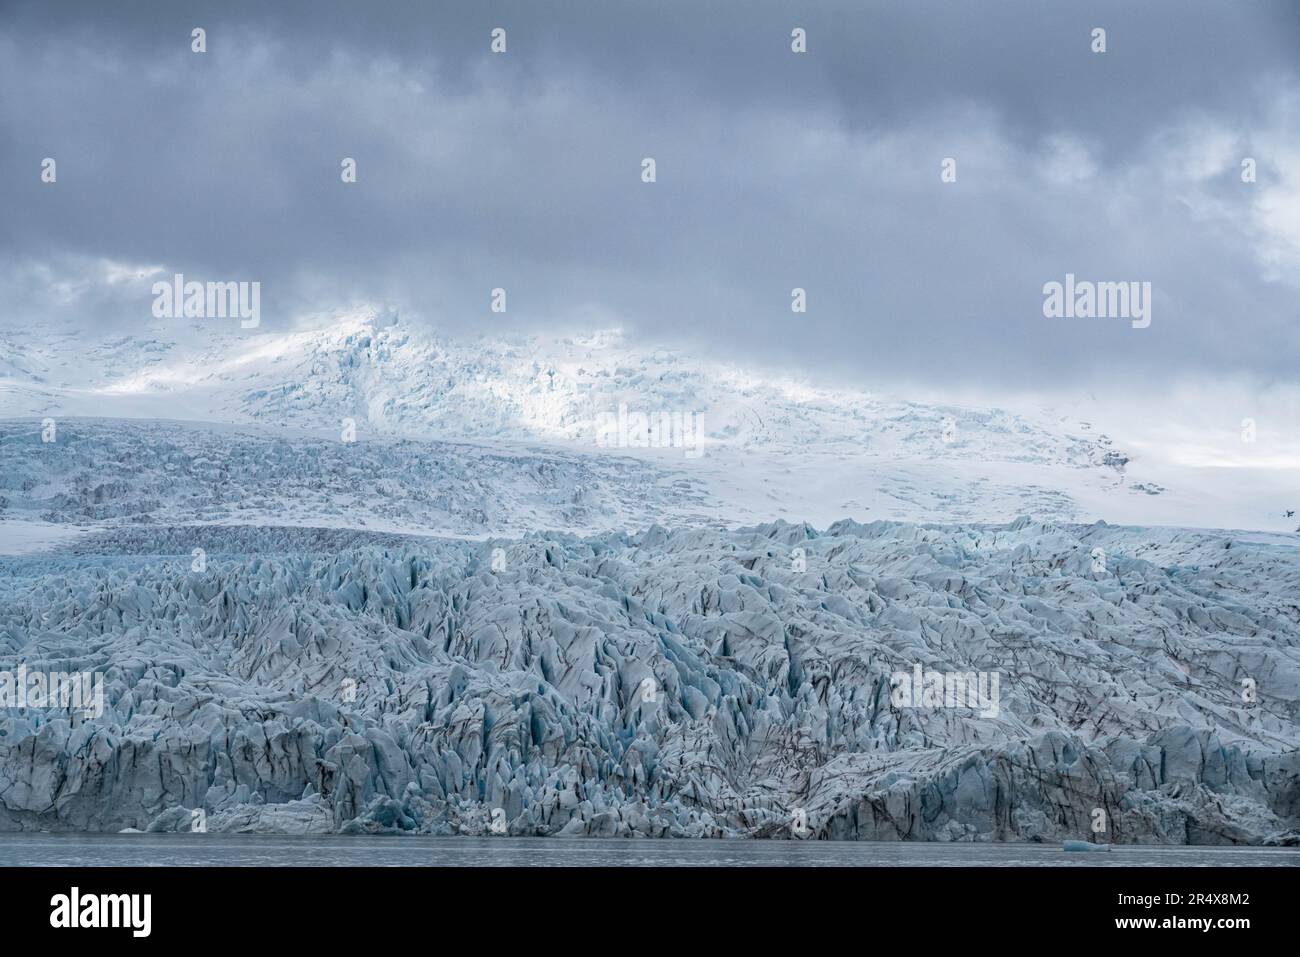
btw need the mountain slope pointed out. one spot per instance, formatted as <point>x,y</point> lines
<point>765,447</point>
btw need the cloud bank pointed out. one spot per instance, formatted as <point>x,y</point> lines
<point>775,170</point>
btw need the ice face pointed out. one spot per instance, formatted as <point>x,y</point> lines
<point>669,683</point>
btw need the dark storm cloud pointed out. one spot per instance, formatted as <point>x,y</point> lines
<point>775,170</point>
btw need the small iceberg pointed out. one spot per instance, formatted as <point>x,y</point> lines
<point>1083,846</point>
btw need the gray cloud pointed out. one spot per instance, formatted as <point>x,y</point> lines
<point>775,170</point>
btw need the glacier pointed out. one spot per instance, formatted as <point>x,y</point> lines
<point>473,619</point>
<point>694,682</point>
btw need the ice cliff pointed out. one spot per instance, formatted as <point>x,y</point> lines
<point>668,683</point>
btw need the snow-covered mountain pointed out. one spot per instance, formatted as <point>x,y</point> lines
<point>402,380</point>
<point>757,444</point>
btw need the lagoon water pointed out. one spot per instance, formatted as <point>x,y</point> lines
<point>251,850</point>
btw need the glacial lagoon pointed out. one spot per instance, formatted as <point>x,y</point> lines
<point>250,850</point>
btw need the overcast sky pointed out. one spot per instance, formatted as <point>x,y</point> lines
<point>775,170</point>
